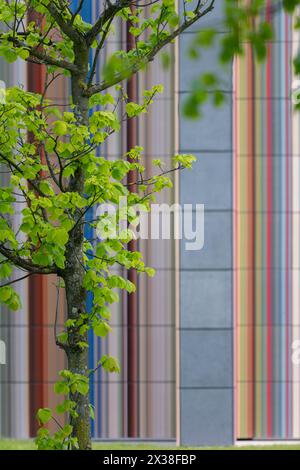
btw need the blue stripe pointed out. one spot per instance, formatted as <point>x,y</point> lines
<point>89,233</point>
<point>99,373</point>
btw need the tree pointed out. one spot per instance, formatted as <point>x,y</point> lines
<point>55,173</point>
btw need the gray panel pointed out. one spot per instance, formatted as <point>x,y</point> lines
<point>208,62</point>
<point>206,300</point>
<point>206,417</point>
<point>206,358</point>
<point>212,132</point>
<point>216,253</point>
<point>208,182</point>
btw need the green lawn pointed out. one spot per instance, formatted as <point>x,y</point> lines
<point>29,445</point>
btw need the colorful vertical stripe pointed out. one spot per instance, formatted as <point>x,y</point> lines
<point>266,239</point>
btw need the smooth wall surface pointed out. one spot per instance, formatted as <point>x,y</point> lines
<point>206,326</point>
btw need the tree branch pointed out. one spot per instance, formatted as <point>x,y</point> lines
<point>11,164</point>
<point>42,57</point>
<point>77,11</point>
<point>15,281</point>
<point>108,14</point>
<point>98,50</point>
<point>149,57</point>
<point>25,264</point>
<point>66,27</point>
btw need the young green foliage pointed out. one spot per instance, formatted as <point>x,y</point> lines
<point>58,173</point>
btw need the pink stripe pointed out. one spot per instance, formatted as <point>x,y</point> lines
<point>287,115</point>
<point>269,238</point>
<point>235,253</point>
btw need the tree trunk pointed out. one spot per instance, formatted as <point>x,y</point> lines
<point>78,357</point>
<point>74,271</point>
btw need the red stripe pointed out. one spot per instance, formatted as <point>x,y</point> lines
<point>36,81</point>
<point>132,299</point>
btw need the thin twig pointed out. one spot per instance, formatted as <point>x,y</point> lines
<point>16,280</point>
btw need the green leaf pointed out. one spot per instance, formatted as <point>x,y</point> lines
<point>60,128</point>
<point>42,258</point>
<point>5,294</point>
<point>105,313</point>
<point>46,188</point>
<point>92,412</point>
<point>5,270</point>
<point>66,405</point>
<point>61,388</point>
<point>61,236</point>
<point>150,272</point>
<point>15,302</point>
<point>44,415</point>
<point>63,337</point>
<point>173,19</point>
<point>100,99</point>
<point>9,54</point>
<point>133,109</point>
<point>23,53</point>
<point>290,5</point>
<point>83,387</point>
<point>101,329</point>
<point>110,364</point>
<point>185,160</point>
<point>9,297</point>
<point>206,38</point>
<point>67,429</point>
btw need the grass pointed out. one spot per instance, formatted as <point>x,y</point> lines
<point>7,444</point>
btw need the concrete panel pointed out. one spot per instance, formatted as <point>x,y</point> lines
<point>206,300</point>
<point>206,358</point>
<point>207,182</point>
<point>206,417</point>
<point>207,62</point>
<point>217,250</point>
<point>213,132</point>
